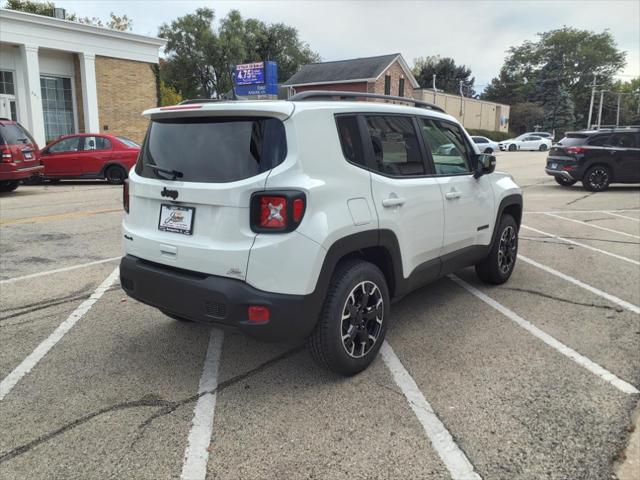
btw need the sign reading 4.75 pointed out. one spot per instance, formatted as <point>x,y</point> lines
<point>250,73</point>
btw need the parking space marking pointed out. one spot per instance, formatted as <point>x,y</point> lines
<point>593,225</point>
<point>549,340</point>
<point>623,216</point>
<point>196,455</point>
<point>41,350</point>
<point>453,457</point>
<point>613,299</point>
<point>562,212</point>
<point>58,270</point>
<point>61,216</point>
<point>583,245</point>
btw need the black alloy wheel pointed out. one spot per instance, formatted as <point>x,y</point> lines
<point>597,178</point>
<point>498,265</point>
<point>507,249</point>
<point>362,318</point>
<point>115,175</point>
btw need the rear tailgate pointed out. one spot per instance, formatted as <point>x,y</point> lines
<point>200,221</point>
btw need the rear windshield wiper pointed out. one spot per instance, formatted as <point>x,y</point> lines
<point>174,173</point>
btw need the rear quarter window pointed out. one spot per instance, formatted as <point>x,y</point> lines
<point>14,134</point>
<point>573,140</point>
<point>212,149</point>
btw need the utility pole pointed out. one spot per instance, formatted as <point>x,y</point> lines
<point>435,90</point>
<point>593,93</point>
<point>618,111</point>
<point>600,108</point>
<point>461,102</point>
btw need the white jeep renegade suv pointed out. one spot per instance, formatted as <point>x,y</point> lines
<point>306,218</point>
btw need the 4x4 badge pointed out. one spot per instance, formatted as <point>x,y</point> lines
<point>169,193</point>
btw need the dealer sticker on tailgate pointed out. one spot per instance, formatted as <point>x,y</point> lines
<point>176,219</point>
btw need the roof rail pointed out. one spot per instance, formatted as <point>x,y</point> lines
<point>312,94</point>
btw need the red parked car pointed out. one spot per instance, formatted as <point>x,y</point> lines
<point>20,157</point>
<point>89,155</point>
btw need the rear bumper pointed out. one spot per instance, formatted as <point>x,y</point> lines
<point>218,300</point>
<point>20,173</point>
<point>559,173</point>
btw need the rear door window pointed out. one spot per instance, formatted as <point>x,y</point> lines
<point>96,143</point>
<point>622,140</point>
<point>67,145</point>
<point>599,140</point>
<point>450,152</point>
<point>212,150</point>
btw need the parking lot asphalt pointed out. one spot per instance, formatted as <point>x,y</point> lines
<point>534,379</point>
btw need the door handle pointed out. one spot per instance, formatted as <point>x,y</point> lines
<point>393,202</point>
<point>453,194</point>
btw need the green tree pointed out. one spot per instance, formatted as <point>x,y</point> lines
<point>169,95</point>
<point>448,75</point>
<point>560,113</point>
<point>565,58</point>
<point>524,116</point>
<point>200,59</point>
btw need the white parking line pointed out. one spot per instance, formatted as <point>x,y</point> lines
<point>549,340</point>
<point>585,211</point>
<point>583,245</point>
<point>58,270</point>
<point>592,225</point>
<point>196,455</point>
<point>613,299</point>
<point>41,350</point>
<point>623,216</point>
<point>454,459</point>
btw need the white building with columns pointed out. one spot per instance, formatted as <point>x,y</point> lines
<point>59,77</point>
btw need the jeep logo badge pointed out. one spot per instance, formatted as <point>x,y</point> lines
<point>169,193</point>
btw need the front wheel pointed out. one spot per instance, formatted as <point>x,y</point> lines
<point>597,178</point>
<point>498,266</point>
<point>8,186</point>
<point>565,182</point>
<point>353,321</point>
<point>512,147</point>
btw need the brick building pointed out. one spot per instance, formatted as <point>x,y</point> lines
<point>385,74</point>
<point>59,77</point>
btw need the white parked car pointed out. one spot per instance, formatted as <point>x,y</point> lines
<point>485,145</point>
<point>526,142</point>
<point>305,218</point>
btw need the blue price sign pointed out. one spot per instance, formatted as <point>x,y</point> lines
<point>250,73</point>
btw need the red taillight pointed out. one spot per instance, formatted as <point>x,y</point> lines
<point>575,150</point>
<point>273,212</point>
<point>258,314</point>
<point>125,196</point>
<point>7,156</point>
<point>277,211</point>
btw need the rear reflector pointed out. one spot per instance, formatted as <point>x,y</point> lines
<point>258,314</point>
<point>125,196</point>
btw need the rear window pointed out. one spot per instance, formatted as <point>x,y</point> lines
<point>128,142</point>
<point>212,150</point>
<point>14,134</point>
<point>572,140</point>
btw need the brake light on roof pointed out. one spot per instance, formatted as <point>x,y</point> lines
<point>576,150</point>
<point>277,212</point>
<point>181,107</point>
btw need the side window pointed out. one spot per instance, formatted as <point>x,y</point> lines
<point>96,143</point>
<point>599,140</point>
<point>67,145</point>
<point>480,140</point>
<point>396,150</point>
<point>622,140</point>
<point>350,139</point>
<point>387,84</point>
<point>447,145</point>
<point>401,87</point>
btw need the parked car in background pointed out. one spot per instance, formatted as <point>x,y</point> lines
<point>20,156</point>
<point>540,134</point>
<point>485,145</point>
<point>596,158</point>
<point>526,142</point>
<point>89,155</point>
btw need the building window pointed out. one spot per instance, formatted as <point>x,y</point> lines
<point>387,84</point>
<point>57,106</point>
<point>401,87</point>
<point>6,83</point>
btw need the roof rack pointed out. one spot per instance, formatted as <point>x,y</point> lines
<point>312,94</point>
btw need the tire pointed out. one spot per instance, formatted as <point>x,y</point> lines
<point>512,147</point>
<point>597,178</point>
<point>175,317</point>
<point>115,175</point>
<point>348,345</point>
<point>8,186</point>
<point>499,264</point>
<point>543,147</point>
<point>488,150</point>
<point>563,181</point>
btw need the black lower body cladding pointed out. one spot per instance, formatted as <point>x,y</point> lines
<point>218,301</point>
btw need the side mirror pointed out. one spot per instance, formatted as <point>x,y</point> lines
<point>485,163</point>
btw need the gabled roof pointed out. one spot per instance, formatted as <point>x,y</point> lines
<point>346,71</point>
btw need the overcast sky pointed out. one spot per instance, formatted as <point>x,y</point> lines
<point>474,33</point>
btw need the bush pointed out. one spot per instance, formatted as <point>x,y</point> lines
<point>495,136</point>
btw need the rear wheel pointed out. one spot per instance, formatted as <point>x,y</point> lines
<point>353,321</point>
<point>565,182</point>
<point>597,178</point>
<point>543,147</point>
<point>8,186</point>
<point>499,264</point>
<point>512,147</point>
<point>115,175</point>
